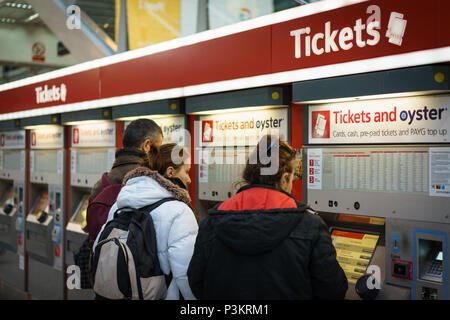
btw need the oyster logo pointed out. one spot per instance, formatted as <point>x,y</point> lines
<point>55,93</point>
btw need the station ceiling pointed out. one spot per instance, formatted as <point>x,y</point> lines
<point>21,14</point>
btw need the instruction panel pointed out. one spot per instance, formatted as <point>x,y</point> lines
<point>411,170</point>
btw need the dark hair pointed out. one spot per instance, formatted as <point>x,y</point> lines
<point>252,172</point>
<point>162,159</point>
<point>139,130</point>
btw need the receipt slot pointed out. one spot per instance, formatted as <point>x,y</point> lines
<point>12,208</point>
<point>46,219</point>
<point>227,128</point>
<point>92,152</point>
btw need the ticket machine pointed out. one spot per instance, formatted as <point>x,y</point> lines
<point>92,152</point>
<point>378,173</point>
<point>12,208</point>
<point>228,126</point>
<point>46,220</point>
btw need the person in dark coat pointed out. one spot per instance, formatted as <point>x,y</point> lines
<point>264,244</point>
<point>139,137</point>
<point>142,138</point>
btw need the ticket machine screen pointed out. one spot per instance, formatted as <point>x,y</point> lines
<point>79,215</point>
<point>354,251</point>
<point>8,198</point>
<point>40,205</point>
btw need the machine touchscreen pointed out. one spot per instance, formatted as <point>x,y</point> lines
<point>354,251</point>
<point>7,202</point>
<point>40,209</point>
<point>79,215</point>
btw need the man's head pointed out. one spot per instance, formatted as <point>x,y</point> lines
<point>142,134</point>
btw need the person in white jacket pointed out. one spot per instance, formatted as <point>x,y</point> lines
<point>175,224</point>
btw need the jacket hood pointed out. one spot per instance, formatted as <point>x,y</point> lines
<point>143,187</point>
<point>256,220</point>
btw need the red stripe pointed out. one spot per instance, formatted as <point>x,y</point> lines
<point>347,234</point>
<point>193,172</point>
<point>297,142</point>
<point>260,51</point>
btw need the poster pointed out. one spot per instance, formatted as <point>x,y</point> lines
<point>440,172</point>
<point>315,169</point>
<point>152,21</point>
<point>226,12</point>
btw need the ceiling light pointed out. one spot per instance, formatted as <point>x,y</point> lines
<point>32,17</point>
<point>19,5</point>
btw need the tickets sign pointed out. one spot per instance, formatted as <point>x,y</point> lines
<point>242,128</point>
<point>100,134</point>
<point>401,120</point>
<point>47,138</point>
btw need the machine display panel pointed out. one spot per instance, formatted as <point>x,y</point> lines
<point>373,169</point>
<point>8,198</point>
<point>41,204</point>
<point>222,165</point>
<point>94,161</point>
<point>11,160</point>
<point>45,161</point>
<point>354,251</point>
<point>79,215</point>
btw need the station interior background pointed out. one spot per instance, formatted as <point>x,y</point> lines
<point>24,23</point>
<point>32,41</point>
<point>381,182</point>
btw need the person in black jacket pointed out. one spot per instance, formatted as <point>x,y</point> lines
<point>264,244</point>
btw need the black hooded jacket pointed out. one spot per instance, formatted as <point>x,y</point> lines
<point>263,244</point>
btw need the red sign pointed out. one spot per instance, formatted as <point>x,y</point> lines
<point>353,33</point>
<point>321,124</point>
<point>362,31</point>
<point>207,131</point>
<point>33,139</point>
<point>77,87</point>
<point>76,136</point>
<point>38,50</point>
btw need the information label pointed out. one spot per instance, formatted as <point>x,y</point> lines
<point>314,168</point>
<point>440,172</point>
<point>100,134</point>
<point>51,137</point>
<point>242,128</point>
<point>381,169</point>
<point>401,120</point>
<point>12,139</point>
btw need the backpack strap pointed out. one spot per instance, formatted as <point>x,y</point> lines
<point>155,205</point>
<point>146,209</point>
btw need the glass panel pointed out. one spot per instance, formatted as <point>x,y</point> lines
<point>11,160</point>
<point>45,161</point>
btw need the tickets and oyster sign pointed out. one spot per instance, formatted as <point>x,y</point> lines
<point>101,134</point>
<point>402,120</point>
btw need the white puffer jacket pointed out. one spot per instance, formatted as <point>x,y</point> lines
<point>175,224</point>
